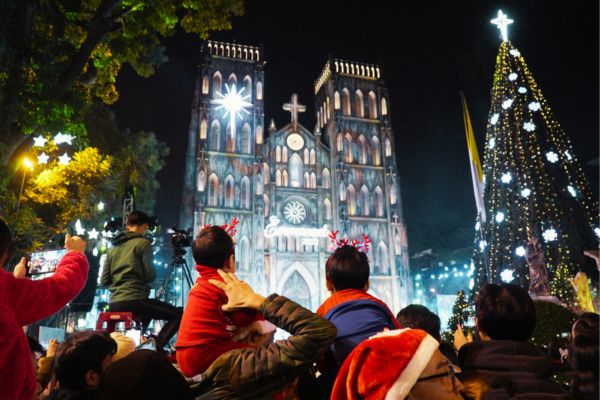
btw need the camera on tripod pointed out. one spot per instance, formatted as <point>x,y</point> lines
<point>180,239</point>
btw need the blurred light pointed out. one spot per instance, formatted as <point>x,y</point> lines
<point>79,228</point>
<point>39,141</point>
<point>100,206</point>
<point>552,157</point>
<point>499,217</point>
<point>550,235</point>
<point>571,190</point>
<point>525,192</point>
<point>27,163</point>
<point>506,177</point>
<point>507,275</point>
<point>482,244</point>
<point>520,251</point>
<point>418,277</point>
<point>471,283</point>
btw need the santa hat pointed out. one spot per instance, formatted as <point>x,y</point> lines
<point>386,366</point>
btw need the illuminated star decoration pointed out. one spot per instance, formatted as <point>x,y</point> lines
<point>100,206</point>
<point>234,104</point>
<point>60,138</point>
<point>43,158</point>
<point>502,21</point>
<point>64,159</point>
<point>39,141</point>
<point>93,234</point>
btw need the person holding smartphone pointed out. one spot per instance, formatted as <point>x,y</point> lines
<point>24,301</point>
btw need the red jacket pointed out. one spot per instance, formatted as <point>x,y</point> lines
<point>22,302</point>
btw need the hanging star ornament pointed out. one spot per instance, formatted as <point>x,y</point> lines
<point>234,104</point>
<point>60,138</point>
<point>64,159</point>
<point>39,141</point>
<point>502,21</point>
<point>43,158</point>
<point>93,234</point>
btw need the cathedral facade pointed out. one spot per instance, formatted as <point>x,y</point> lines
<point>290,187</point>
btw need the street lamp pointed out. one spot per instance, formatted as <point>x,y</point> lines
<point>26,164</point>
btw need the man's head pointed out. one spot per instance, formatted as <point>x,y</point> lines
<point>137,221</point>
<point>347,268</point>
<point>416,316</point>
<point>214,247</point>
<point>81,359</point>
<point>505,312</point>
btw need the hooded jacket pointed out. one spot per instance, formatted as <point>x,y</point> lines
<point>505,369</point>
<point>128,268</point>
<point>22,302</point>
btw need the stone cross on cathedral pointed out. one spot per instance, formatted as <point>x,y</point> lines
<point>294,108</point>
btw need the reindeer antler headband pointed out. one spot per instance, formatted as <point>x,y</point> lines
<point>360,246</point>
<point>229,228</point>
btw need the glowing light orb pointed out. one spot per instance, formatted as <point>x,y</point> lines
<point>534,106</point>
<point>499,217</point>
<point>552,157</point>
<point>507,275</point>
<point>482,244</point>
<point>597,232</point>
<point>513,77</point>
<point>525,192</point>
<point>506,177</point>
<point>477,226</point>
<point>550,235</point>
<point>491,143</point>
<point>494,119</point>
<point>95,252</point>
<point>234,103</point>
<point>572,190</point>
<point>507,103</point>
<point>568,155</point>
<point>520,251</point>
<point>515,52</point>
<point>471,283</point>
<point>529,126</point>
<point>522,90</point>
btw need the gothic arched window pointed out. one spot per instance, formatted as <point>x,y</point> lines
<point>388,147</point>
<point>259,134</point>
<point>378,202</point>
<point>359,104</point>
<point>393,196</point>
<point>259,91</point>
<point>362,150</point>
<point>201,181</point>
<point>246,143</point>
<point>306,156</point>
<point>284,154</point>
<point>382,257</point>
<point>306,180</point>
<point>213,190</point>
<point>327,210</point>
<point>342,190</point>
<point>247,87</point>
<point>278,154</point>
<point>346,102</point>
<point>376,151</point>
<point>266,205</point>
<point>313,180</point>
<point>284,178</point>
<point>372,105</point>
<point>217,83</point>
<point>205,85</point>
<point>245,193</point>
<point>327,108</point>
<point>351,200</point>
<point>295,167</point>
<point>339,142</point>
<point>266,173</point>
<point>326,178</point>
<point>232,80</point>
<point>229,191</point>
<point>348,151</point>
<point>364,199</point>
<point>215,135</point>
<point>203,128</point>
<point>383,106</point>
<point>278,178</point>
<point>313,157</point>
<point>244,254</point>
<point>336,100</point>
<point>230,140</point>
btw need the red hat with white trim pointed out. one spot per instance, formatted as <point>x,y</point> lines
<point>386,366</point>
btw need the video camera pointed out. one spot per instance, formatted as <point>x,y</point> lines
<point>180,238</point>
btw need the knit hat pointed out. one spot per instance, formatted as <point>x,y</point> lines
<point>125,345</point>
<point>385,366</point>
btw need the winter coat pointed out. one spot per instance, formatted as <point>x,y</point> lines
<point>503,369</point>
<point>259,373</point>
<point>22,302</point>
<point>128,267</point>
<point>437,381</point>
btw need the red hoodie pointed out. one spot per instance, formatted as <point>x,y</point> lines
<point>206,330</point>
<point>22,302</point>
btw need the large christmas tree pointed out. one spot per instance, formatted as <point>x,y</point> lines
<point>534,185</point>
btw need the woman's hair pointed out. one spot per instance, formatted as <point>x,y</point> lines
<point>584,358</point>
<point>5,241</point>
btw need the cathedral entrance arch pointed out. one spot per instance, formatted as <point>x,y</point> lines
<point>297,283</point>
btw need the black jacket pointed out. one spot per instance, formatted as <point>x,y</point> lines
<point>502,369</point>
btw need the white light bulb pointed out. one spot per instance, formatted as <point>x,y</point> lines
<point>482,244</point>
<point>520,251</point>
<point>552,157</point>
<point>522,90</point>
<point>507,275</point>
<point>494,119</point>
<point>507,103</point>
<point>568,155</point>
<point>499,217</point>
<point>572,190</point>
<point>597,232</point>
<point>550,235</point>
<point>529,126</point>
<point>506,177</point>
<point>477,226</point>
<point>525,192</point>
<point>512,77</point>
<point>535,106</point>
<point>515,53</point>
<point>491,143</point>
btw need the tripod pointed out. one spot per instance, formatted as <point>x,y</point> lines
<point>177,261</point>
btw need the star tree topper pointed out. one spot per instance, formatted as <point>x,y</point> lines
<point>234,103</point>
<point>502,21</point>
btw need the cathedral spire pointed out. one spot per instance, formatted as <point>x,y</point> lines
<point>294,108</point>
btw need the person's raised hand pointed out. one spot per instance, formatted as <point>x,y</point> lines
<point>52,345</point>
<point>460,339</point>
<point>239,293</point>
<point>74,243</point>
<point>20,270</point>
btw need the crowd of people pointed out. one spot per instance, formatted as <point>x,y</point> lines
<point>353,347</point>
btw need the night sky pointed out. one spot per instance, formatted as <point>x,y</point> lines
<point>427,54</point>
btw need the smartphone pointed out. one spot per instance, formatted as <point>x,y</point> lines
<point>470,323</point>
<point>43,264</point>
